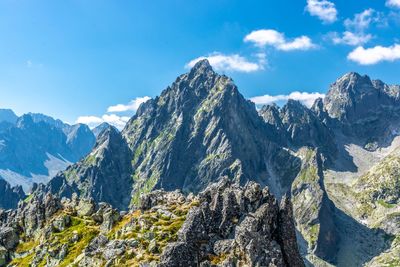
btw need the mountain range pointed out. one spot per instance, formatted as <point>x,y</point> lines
<point>34,147</point>
<point>338,161</point>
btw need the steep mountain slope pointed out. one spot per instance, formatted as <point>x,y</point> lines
<point>105,174</point>
<point>36,147</point>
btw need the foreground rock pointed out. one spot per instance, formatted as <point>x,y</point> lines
<point>225,225</point>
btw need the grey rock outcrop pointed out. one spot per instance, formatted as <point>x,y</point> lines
<point>235,226</point>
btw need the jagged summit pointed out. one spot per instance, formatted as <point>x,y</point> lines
<point>201,66</point>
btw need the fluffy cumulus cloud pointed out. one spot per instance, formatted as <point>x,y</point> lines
<point>323,9</point>
<point>304,97</point>
<point>268,37</point>
<point>235,62</point>
<point>374,55</point>
<point>393,3</point>
<point>113,119</point>
<point>131,106</point>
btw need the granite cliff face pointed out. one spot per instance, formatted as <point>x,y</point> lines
<point>225,225</point>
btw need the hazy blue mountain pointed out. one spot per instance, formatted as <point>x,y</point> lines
<point>35,147</point>
<point>7,115</point>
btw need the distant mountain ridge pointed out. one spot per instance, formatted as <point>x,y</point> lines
<point>34,147</point>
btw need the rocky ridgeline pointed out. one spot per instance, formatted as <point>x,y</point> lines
<point>225,225</point>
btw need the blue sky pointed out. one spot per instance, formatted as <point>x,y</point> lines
<point>70,59</point>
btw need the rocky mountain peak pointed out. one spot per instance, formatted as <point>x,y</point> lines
<point>348,98</point>
<point>7,115</point>
<point>201,67</point>
<point>25,121</point>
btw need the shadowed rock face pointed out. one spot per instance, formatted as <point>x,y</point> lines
<point>225,225</point>
<point>10,196</point>
<point>105,175</point>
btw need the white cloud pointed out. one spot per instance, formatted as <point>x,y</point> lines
<point>235,62</point>
<point>374,55</point>
<point>113,119</point>
<point>363,20</point>
<point>323,9</point>
<point>355,33</point>
<point>268,37</point>
<point>304,97</point>
<point>131,106</point>
<point>350,38</point>
<point>393,3</point>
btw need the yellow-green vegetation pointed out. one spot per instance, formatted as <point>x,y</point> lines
<point>28,198</point>
<point>90,159</point>
<point>381,182</point>
<point>385,204</point>
<point>376,193</point>
<point>218,259</point>
<point>152,230</point>
<point>389,258</point>
<point>308,172</point>
<point>82,230</point>
<point>71,173</point>
<point>313,234</point>
<point>212,157</point>
<point>85,229</point>
<point>143,187</point>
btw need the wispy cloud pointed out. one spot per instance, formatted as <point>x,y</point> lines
<point>268,37</point>
<point>131,106</point>
<point>374,55</point>
<point>393,3</point>
<point>350,38</point>
<point>304,97</point>
<point>113,119</point>
<point>323,9</point>
<point>234,62</point>
<point>356,28</point>
<point>30,64</point>
<point>363,20</point>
